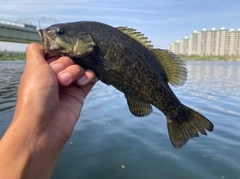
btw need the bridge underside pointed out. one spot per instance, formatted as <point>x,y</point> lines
<point>19,35</point>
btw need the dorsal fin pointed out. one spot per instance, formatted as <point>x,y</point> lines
<point>138,36</point>
<point>173,66</point>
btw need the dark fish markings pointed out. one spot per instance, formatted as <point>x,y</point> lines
<point>125,59</point>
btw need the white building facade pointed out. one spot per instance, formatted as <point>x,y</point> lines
<point>209,42</point>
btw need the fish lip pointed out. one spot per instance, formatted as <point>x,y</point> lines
<point>49,54</point>
<point>47,42</point>
<point>45,39</point>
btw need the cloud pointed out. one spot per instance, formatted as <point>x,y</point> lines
<point>115,12</point>
<point>170,19</point>
<point>86,5</point>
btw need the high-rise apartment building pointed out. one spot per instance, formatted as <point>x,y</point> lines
<point>209,42</point>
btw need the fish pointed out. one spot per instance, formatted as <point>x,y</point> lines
<point>124,58</point>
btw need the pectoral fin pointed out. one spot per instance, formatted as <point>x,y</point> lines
<point>138,108</point>
<point>104,63</point>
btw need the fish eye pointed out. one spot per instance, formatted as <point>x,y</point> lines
<point>60,31</point>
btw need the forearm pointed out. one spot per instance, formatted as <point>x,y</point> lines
<point>27,153</point>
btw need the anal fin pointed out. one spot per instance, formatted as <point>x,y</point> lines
<point>138,108</point>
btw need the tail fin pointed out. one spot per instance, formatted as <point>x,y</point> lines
<point>186,125</point>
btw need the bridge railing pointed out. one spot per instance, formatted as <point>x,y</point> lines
<point>18,25</point>
<point>15,24</point>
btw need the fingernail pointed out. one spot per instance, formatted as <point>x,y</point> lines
<point>65,78</point>
<point>57,67</point>
<point>82,80</point>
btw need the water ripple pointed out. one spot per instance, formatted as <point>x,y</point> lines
<point>10,73</point>
<point>109,142</point>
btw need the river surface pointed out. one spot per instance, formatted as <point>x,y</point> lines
<point>109,142</point>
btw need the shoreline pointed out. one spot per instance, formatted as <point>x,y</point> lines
<point>210,57</point>
<point>183,58</point>
<point>230,60</point>
<point>12,59</point>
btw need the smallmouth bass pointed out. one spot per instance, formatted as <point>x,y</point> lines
<point>123,58</point>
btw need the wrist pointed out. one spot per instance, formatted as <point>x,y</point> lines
<point>27,153</point>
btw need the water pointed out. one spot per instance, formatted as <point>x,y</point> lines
<point>108,142</point>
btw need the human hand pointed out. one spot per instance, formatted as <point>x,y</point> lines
<point>50,98</point>
<point>40,95</point>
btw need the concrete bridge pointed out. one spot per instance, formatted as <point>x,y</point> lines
<point>20,33</point>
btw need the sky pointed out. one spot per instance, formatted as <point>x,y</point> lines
<point>162,21</point>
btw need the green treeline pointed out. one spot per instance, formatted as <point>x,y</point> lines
<point>22,56</point>
<point>12,56</point>
<point>210,57</point>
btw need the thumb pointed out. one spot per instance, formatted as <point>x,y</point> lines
<point>35,56</point>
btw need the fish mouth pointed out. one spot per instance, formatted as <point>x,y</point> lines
<point>46,41</point>
<point>47,44</point>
